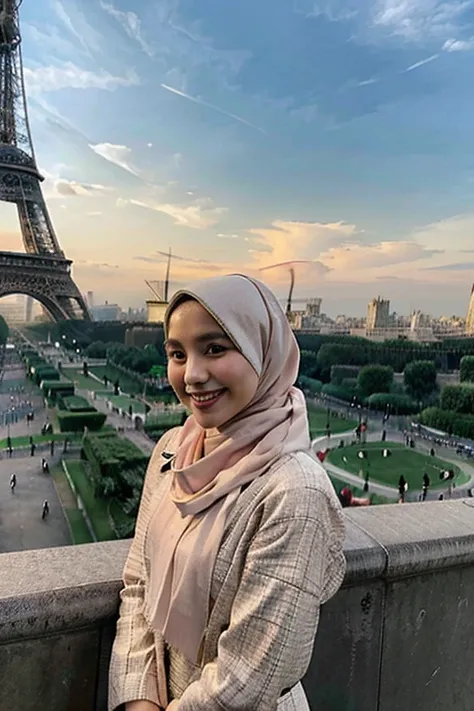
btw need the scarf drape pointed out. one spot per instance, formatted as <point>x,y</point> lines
<point>209,469</point>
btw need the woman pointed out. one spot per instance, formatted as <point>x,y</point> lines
<point>239,536</point>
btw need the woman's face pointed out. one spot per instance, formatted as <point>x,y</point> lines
<point>208,374</point>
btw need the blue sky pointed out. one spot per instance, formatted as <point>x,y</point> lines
<point>248,134</point>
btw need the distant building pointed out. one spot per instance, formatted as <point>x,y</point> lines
<point>12,308</point>
<point>141,336</point>
<point>470,314</point>
<point>106,312</point>
<point>29,309</point>
<point>90,299</point>
<point>378,314</point>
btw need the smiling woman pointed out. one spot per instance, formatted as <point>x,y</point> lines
<point>239,536</point>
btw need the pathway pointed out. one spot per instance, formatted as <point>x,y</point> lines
<point>21,525</point>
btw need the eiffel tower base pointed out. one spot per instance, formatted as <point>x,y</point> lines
<point>46,279</point>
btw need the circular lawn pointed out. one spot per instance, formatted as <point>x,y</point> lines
<point>387,470</point>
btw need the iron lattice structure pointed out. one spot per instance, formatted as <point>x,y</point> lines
<point>43,272</point>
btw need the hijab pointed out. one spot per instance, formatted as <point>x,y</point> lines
<point>208,472</point>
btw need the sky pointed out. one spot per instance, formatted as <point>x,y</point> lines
<point>337,133</point>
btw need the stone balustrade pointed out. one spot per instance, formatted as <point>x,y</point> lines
<point>399,636</point>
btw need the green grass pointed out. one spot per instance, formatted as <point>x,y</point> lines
<point>24,441</point>
<point>359,492</point>
<point>81,382</point>
<point>409,462</point>
<point>318,418</point>
<point>96,508</point>
<point>79,530</point>
<point>127,384</point>
<point>123,402</point>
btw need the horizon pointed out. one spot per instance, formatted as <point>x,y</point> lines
<point>335,135</point>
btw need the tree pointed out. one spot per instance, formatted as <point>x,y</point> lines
<point>467,369</point>
<point>419,377</point>
<point>375,379</point>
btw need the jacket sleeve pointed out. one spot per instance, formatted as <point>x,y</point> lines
<point>134,667</point>
<point>294,563</point>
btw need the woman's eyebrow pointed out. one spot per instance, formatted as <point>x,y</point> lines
<point>203,338</point>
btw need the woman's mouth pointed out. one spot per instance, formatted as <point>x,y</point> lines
<point>203,401</point>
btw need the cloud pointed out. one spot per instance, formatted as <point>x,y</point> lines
<point>198,215</point>
<point>222,235</point>
<point>456,267</point>
<point>131,24</point>
<point>454,45</point>
<point>349,257</point>
<point>421,63</point>
<point>60,188</point>
<point>455,231</point>
<point>95,265</point>
<point>368,82</point>
<point>94,213</point>
<point>212,107</point>
<point>285,240</point>
<point>117,154</point>
<point>85,35</point>
<point>69,76</point>
<point>419,20</point>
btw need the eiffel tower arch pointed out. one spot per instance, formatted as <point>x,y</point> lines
<point>43,271</point>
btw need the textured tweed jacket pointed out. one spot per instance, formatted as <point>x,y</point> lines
<point>280,559</point>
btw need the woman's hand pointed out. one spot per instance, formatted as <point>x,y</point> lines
<point>142,705</point>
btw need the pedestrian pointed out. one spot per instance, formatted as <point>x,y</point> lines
<point>45,510</point>
<point>218,608</point>
<point>426,486</point>
<point>13,483</point>
<point>52,447</point>
<point>402,489</point>
<point>44,466</point>
<point>384,435</point>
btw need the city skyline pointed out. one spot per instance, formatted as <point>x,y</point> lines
<point>335,135</point>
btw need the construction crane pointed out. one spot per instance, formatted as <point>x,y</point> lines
<point>289,264</point>
<point>160,289</point>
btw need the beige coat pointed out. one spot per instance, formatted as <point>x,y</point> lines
<point>280,559</point>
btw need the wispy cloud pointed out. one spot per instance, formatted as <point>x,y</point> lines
<point>212,107</point>
<point>456,267</point>
<point>455,45</point>
<point>131,24</point>
<point>417,20</point>
<point>199,215</point>
<point>368,82</point>
<point>421,63</point>
<point>77,27</point>
<point>69,76</point>
<point>62,188</point>
<point>119,155</point>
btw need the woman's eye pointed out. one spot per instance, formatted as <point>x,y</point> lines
<point>176,355</point>
<point>215,349</point>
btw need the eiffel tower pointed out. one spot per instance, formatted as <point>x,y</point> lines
<point>43,272</point>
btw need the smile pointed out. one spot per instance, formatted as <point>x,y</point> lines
<point>206,400</point>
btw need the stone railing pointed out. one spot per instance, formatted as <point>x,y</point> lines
<point>398,636</point>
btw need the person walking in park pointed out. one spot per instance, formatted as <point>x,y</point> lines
<point>45,510</point>
<point>402,489</point>
<point>239,534</point>
<point>13,483</point>
<point>426,486</point>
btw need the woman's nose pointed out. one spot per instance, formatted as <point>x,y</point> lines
<point>196,371</point>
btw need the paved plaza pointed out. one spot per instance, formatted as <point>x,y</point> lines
<point>21,525</point>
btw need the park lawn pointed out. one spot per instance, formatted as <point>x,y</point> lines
<point>406,461</point>
<point>165,419</point>
<point>318,419</point>
<point>24,441</point>
<point>375,499</point>
<point>127,384</point>
<point>123,402</point>
<point>96,508</point>
<point>79,530</point>
<point>82,382</point>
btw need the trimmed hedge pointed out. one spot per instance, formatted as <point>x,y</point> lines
<point>74,403</point>
<point>467,369</point>
<point>76,421</point>
<point>448,421</point>
<point>53,389</point>
<point>45,373</point>
<point>310,385</point>
<point>339,373</point>
<point>112,454</point>
<point>399,404</point>
<point>339,392</point>
<point>459,398</point>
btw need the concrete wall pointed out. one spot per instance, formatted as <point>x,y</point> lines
<point>398,636</point>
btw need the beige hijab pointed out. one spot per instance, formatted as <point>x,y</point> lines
<point>187,527</point>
